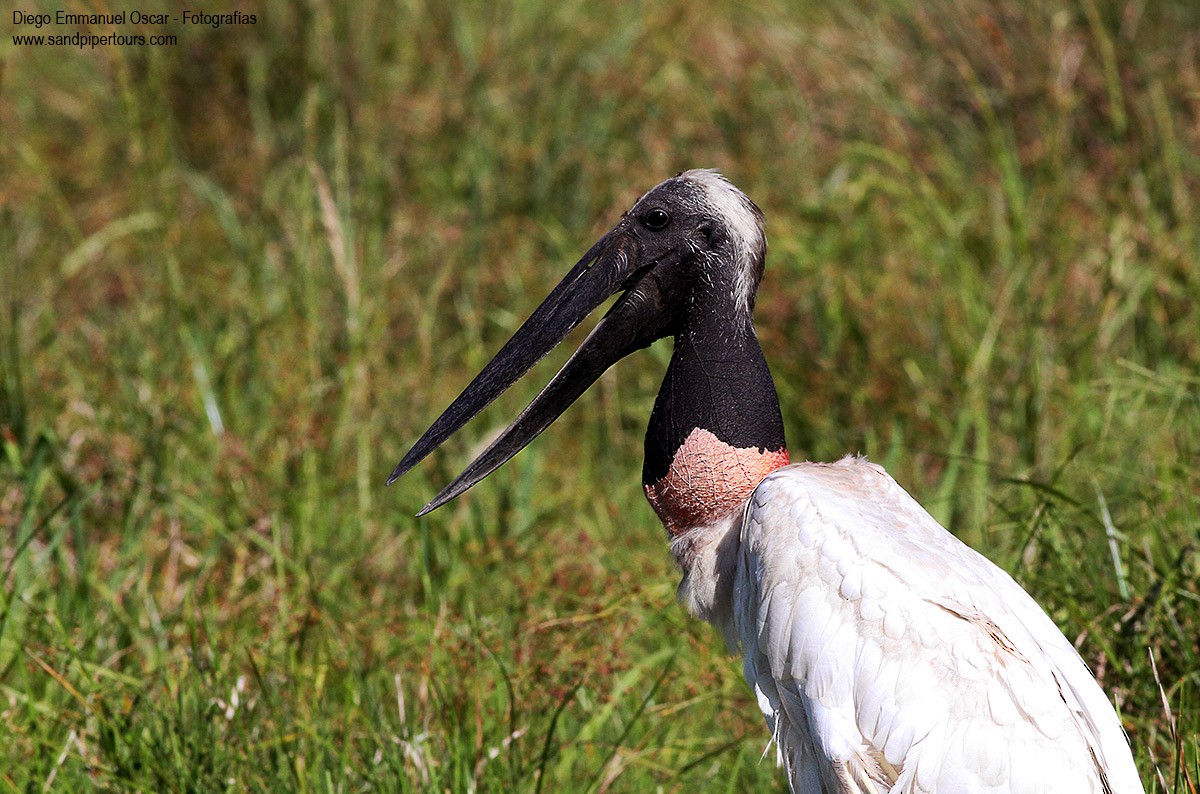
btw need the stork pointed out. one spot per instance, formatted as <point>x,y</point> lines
<point>885,654</point>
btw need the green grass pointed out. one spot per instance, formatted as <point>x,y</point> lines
<point>240,275</point>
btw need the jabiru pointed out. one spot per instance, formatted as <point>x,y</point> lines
<point>885,654</point>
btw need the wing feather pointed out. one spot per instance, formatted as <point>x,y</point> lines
<point>901,660</point>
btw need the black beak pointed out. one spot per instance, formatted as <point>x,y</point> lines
<point>636,320</point>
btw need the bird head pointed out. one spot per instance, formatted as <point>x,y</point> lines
<point>693,236</point>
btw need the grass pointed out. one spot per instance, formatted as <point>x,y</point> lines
<point>240,275</point>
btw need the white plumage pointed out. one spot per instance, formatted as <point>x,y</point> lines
<point>887,656</point>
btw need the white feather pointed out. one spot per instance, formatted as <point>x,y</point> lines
<point>889,657</point>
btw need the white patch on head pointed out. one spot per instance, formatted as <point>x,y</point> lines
<point>745,230</point>
<point>743,223</point>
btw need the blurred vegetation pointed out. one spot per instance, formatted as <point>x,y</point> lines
<point>239,275</point>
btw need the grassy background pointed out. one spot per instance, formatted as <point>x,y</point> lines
<point>238,277</point>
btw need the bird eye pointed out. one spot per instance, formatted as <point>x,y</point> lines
<point>655,219</point>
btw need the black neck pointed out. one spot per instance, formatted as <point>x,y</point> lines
<point>718,380</point>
